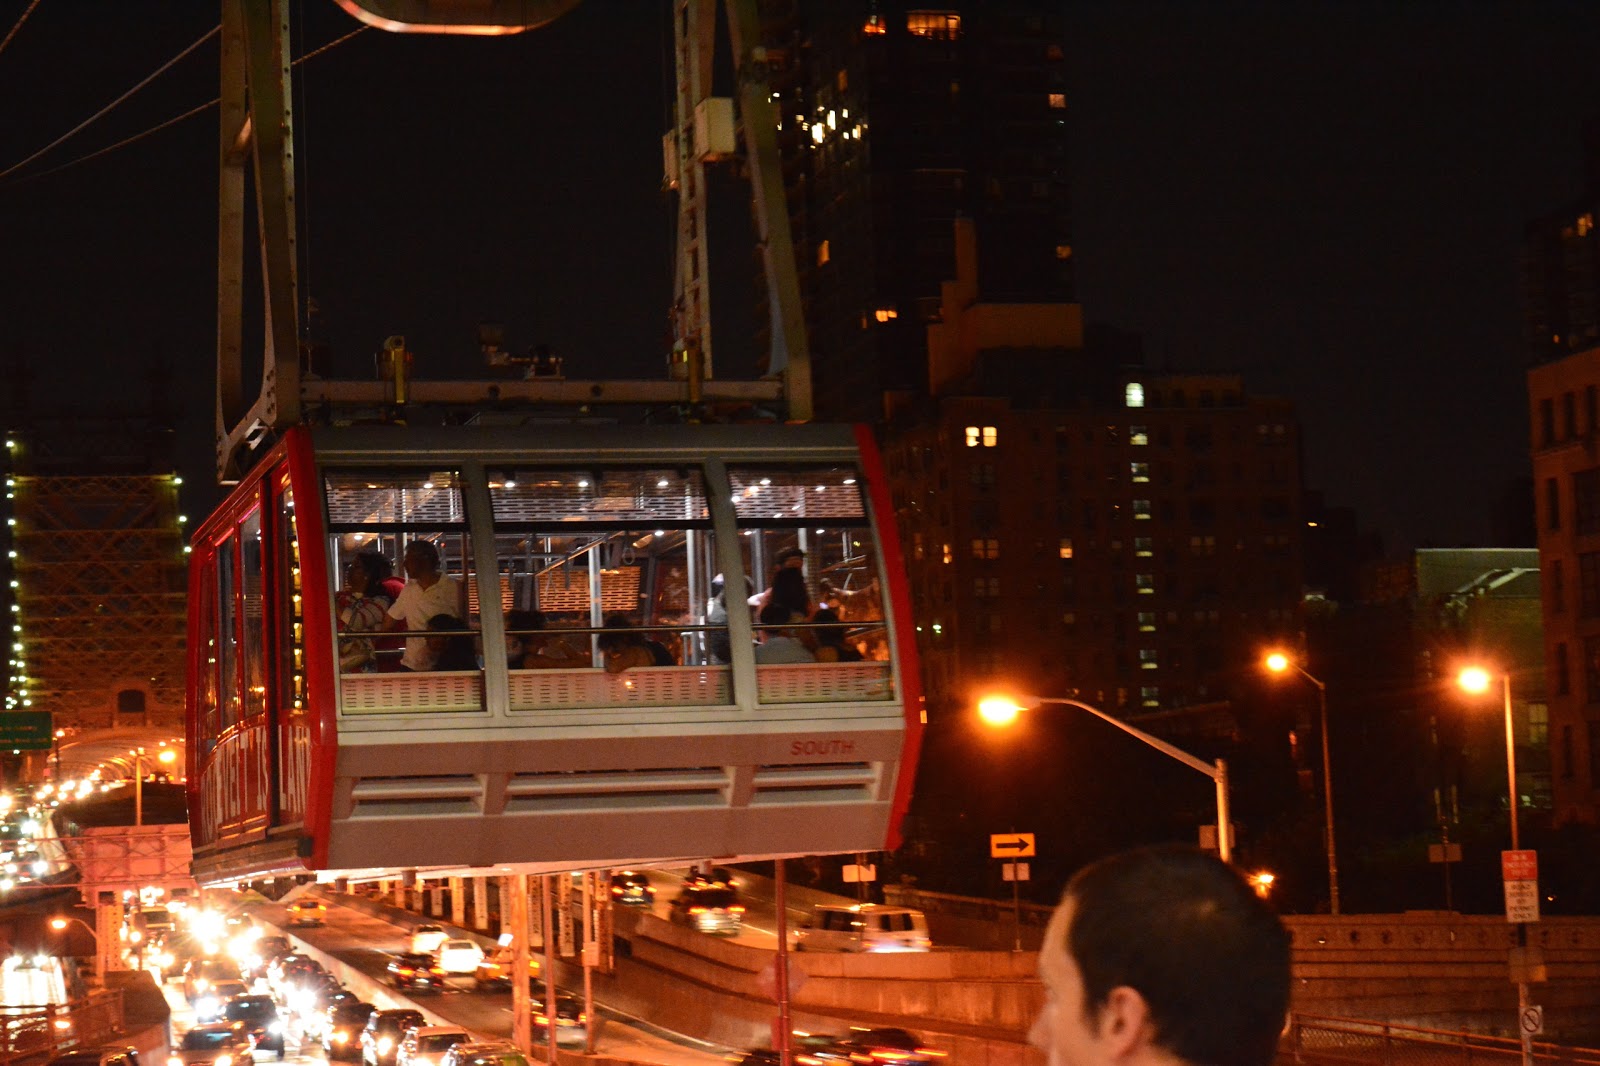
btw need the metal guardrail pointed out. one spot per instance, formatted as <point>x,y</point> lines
<point>36,1034</point>
<point>1322,1041</point>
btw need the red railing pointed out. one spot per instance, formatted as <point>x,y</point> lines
<point>36,1034</point>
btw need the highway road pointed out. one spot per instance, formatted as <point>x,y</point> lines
<point>365,943</point>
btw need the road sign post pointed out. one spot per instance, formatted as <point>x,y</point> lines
<point>1013,846</point>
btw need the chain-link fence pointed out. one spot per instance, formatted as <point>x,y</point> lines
<point>1320,1041</point>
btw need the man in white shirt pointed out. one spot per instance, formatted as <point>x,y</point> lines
<point>427,593</point>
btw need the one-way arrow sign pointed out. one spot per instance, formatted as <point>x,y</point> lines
<point>1011,845</point>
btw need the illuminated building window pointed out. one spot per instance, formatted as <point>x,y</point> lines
<point>936,25</point>
<point>1069,618</point>
<point>1145,584</point>
<point>1138,436</point>
<point>1148,659</point>
<point>1066,548</point>
<point>985,548</point>
<point>1058,101</point>
<point>985,436</point>
<point>1139,471</point>
<point>1585,224</point>
<point>822,253</point>
<point>1147,621</point>
<point>874,27</point>
<point>1063,251</point>
<point>1133,394</point>
<point>1144,547</point>
<point>1149,696</point>
<point>1141,509</point>
<point>885,314</point>
<point>947,554</point>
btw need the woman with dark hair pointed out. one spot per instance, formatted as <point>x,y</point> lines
<point>831,644</point>
<point>369,589</point>
<point>626,647</point>
<point>451,651</point>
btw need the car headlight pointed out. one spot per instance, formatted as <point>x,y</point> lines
<point>205,1005</point>
<point>222,1060</point>
<point>174,1061</point>
<point>341,1037</point>
<point>275,1028</point>
<point>384,1044</point>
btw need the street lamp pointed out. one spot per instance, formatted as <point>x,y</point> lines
<point>1477,680</point>
<point>60,923</point>
<point>1277,662</point>
<point>1001,711</point>
<point>166,757</point>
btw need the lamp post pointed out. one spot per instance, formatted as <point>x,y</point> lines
<point>1278,663</point>
<point>1002,711</point>
<point>1476,679</point>
<point>60,923</point>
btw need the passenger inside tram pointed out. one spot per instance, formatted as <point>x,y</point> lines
<point>427,593</point>
<point>450,644</point>
<point>529,646</point>
<point>626,648</point>
<point>779,642</point>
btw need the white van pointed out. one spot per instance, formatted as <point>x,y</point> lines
<point>863,927</point>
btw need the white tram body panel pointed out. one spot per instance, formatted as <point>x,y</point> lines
<point>312,749</point>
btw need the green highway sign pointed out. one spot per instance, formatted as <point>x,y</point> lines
<point>26,731</point>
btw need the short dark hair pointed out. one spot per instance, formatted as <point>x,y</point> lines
<point>375,563</point>
<point>1189,934</point>
<point>775,614</point>
<point>520,621</point>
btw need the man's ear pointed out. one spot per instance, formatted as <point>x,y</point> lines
<point>1124,1023</point>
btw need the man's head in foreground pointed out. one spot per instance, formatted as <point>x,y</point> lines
<point>1162,955</point>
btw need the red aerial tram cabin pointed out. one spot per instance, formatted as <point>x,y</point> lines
<point>299,766</point>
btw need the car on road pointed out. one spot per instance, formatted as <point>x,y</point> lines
<point>214,1044</point>
<point>109,1055</point>
<point>382,1034</point>
<point>425,1045</point>
<point>307,912</point>
<point>199,975</point>
<point>883,1045</point>
<point>415,970</point>
<point>254,959</point>
<point>341,1030</point>
<point>710,910</point>
<point>806,1047</point>
<point>572,1025</point>
<point>494,972</point>
<point>259,1017</point>
<point>632,889</point>
<point>287,973</point>
<point>863,927</point>
<point>208,1004</point>
<point>495,1053</point>
<point>460,956</point>
<point>425,939</point>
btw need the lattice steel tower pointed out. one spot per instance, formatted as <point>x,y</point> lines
<point>95,570</point>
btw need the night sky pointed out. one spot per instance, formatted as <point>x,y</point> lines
<point>1325,198</point>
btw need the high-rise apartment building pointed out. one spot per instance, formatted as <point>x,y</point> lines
<point>897,119</point>
<point>1561,270</point>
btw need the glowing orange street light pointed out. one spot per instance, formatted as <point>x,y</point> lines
<point>1001,711</point>
<point>1279,662</point>
<point>1262,881</point>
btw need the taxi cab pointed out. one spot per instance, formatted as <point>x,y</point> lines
<point>307,912</point>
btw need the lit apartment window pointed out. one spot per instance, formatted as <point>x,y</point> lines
<point>947,554</point>
<point>937,25</point>
<point>985,548</point>
<point>1141,509</point>
<point>1149,696</point>
<point>1063,251</point>
<point>1144,547</point>
<point>1140,472</point>
<point>874,26</point>
<point>822,253</point>
<point>1058,101</point>
<point>1147,621</point>
<point>1133,394</point>
<point>1069,618</point>
<point>1066,548</point>
<point>1148,659</point>
<point>886,314</point>
<point>1138,436</point>
<point>1145,584</point>
<point>984,436</point>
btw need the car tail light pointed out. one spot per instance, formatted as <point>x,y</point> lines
<point>616,890</point>
<point>735,910</point>
<point>697,910</point>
